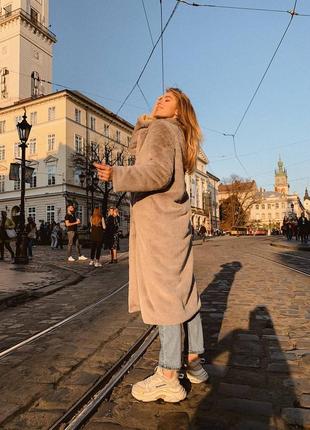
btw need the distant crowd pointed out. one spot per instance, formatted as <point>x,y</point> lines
<point>103,232</point>
<point>299,228</point>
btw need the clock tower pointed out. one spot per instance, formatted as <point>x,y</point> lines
<point>26,50</point>
<point>281,183</point>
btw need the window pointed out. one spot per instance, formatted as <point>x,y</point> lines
<point>77,115</point>
<point>33,182</point>
<point>3,81</point>
<point>2,152</point>
<point>18,119</point>
<point>118,136</point>
<point>8,10</point>
<point>269,206</point>
<point>50,213</point>
<point>2,182</point>
<point>17,185</point>
<point>35,82</point>
<point>51,175</point>
<point>263,216</point>
<point>269,215</point>
<point>128,140</point>
<point>263,206</point>
<point>33,118</point>
<point>76,176</point>
<point>277,215</point>
<point>93,123</point>
<point>2,127</point>
<point>119,159</point>
<point>51,113</point>
<point>283,205</point>
<point>17,150</point>
<point>106,130</point>
<point>32,213</point>
<point>277,205</point>
<point>256,206</point>
<point>51,142</point>
<point>79,213</point>
<point>78,144</point>
<point>34,15</point>
<point>33,146</point>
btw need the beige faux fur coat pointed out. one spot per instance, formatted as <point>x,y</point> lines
<point>161,280</point>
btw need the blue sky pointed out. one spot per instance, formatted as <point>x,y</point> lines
<point>217,56</point>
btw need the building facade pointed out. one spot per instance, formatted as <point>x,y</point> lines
<point>272,206</point>
<point>202,188</point>
<point>64,124</point>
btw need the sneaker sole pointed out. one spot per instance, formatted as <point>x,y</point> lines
<point>152,397</point>
<point>194,380</point>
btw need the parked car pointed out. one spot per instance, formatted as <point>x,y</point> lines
<point>260,232</point>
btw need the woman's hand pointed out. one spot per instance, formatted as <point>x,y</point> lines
<point>104,172</point>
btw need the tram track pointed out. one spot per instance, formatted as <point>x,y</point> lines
<point>86,406</point>
<point>287,266</point>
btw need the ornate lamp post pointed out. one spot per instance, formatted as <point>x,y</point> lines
<point>23,129</point>
<point>91,185</point>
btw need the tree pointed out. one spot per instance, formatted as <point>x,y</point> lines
<point>112,153</point>
<point>237,195</point>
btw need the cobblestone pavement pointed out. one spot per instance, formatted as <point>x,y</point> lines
<point>47,272</point>
<point>256,319</point>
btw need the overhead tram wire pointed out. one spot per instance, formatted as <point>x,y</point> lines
<point>148,23</point>
<point>144,97</point>
<point>249,9</point>
<point>149,58</point>
<point>162,48</point>
<point>267,69</point>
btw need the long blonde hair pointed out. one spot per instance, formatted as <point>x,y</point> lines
<point>192,132</point>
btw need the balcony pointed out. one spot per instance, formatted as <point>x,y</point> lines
<point>31,19</point>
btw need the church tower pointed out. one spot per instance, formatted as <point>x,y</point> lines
<point>26,50</point>
<point>307,201</point>
<point>281,183</point>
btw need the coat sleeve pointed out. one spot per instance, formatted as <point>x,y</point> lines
<point>154,167</point>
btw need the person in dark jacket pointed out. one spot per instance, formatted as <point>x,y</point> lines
<point>112,236</point>
<point>96,236</point>
<point>303,228</point>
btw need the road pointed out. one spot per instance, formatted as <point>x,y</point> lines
<point>256,320</point>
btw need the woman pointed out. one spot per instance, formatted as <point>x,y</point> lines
<point>5,224</point>
<point>96,236</point>
<point>31,230</point>
<point>162,285</point>
<point>112,237</point>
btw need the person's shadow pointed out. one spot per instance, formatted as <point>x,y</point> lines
<point>255,391</point>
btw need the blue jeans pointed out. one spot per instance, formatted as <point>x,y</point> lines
<point>170,355</point>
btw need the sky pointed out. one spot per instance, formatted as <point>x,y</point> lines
<point>217,57</point>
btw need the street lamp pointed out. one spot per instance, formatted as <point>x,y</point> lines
<point>91,185</point>
<point>21,256</point>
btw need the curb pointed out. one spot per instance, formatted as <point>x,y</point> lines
<point>12,300</point>
<point>294,248</point>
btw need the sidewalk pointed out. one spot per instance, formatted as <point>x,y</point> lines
<point>281,242</point>
<point>46,273</point>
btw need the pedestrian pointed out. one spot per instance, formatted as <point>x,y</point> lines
<point>203,232</point>
<point>303,228</point>
<point>72,223</point>
<point>54,235</point>
<point>112,234</point>
<point>7,234</point>
<point>97,224</point>
<point>31,231</point>
<point>162,285</point>
<point>60,234</point>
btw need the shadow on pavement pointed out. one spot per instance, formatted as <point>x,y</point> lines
<point>254,390</point>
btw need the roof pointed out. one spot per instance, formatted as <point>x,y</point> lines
<point>237,186</point>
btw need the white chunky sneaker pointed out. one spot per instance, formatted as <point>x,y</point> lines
<point>82,258</point>
<point>157,387</point>
<point>195,372</point>
<point>98,264</point>
<point>91,263</point>
<point>71,259</point>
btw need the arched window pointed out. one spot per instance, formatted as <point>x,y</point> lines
<point>35,83</point>
<point>3,82</point>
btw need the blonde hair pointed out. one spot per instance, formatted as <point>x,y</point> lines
<point>192,132</point>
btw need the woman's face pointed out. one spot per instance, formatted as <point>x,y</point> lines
<point>166,106</point>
